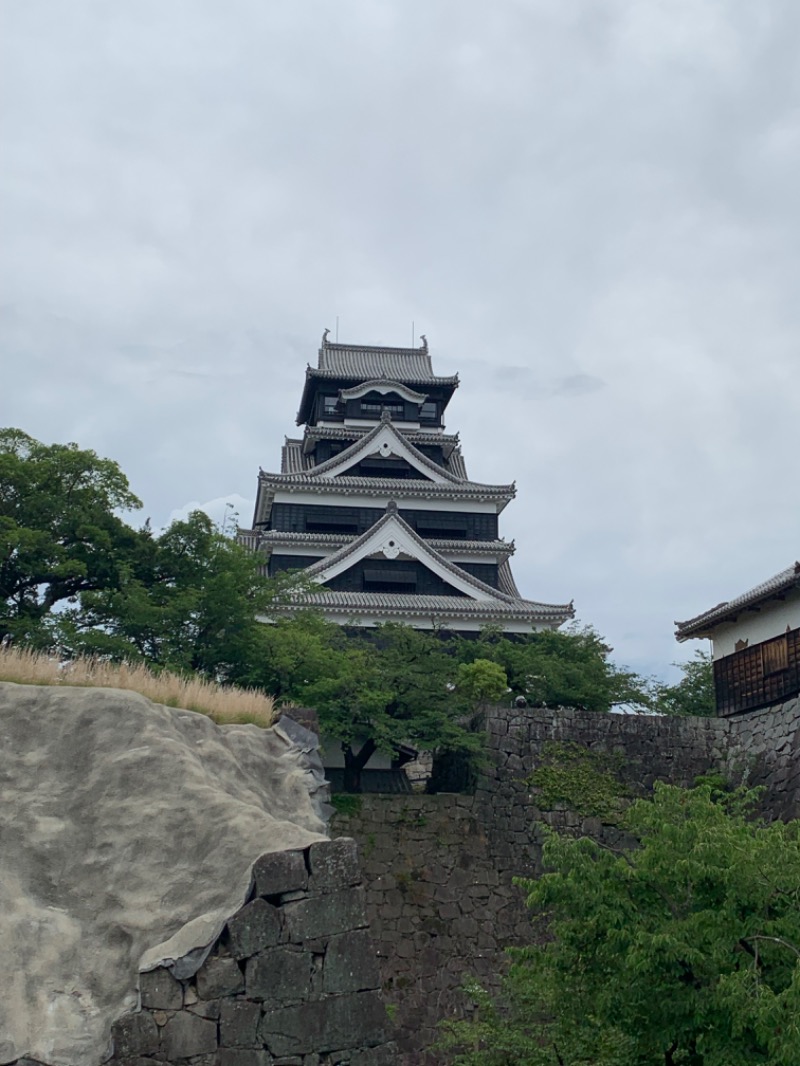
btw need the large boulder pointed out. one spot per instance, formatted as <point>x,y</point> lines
<point>127,835</point>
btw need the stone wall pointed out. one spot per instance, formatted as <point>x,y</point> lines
<point>292,981</point>
<point>438,869</point>
<point>764,748</point>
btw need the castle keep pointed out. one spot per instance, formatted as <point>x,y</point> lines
<point>373,503</point>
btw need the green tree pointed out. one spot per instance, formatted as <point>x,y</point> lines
<point>293,655</point>
<point>684,951</point>
<point>553,668</point>
<point>186,600</point>
<point>396,686</point>
<point>60,534</point>
<point>481,681</point>
<point>693,694</point>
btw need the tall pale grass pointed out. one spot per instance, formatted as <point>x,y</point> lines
<point>224,705</point>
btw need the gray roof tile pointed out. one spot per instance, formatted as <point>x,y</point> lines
<point>452,606</point>
<point>367,362</point>
<point>727,611</point>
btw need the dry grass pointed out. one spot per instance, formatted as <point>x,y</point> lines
<point>226,706</point>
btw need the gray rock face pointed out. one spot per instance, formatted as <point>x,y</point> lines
<point>300,1001</point>
<point>256,926</point>
<point>327,1025</point>
<point>129,831</point>
<point>185,1035</point>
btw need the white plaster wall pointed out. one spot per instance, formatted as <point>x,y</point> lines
<point>756,626</point>
<point>354,499</point>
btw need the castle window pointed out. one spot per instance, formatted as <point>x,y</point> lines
<point>329,404</point>
<point>381,580</point>
<point>374,406</point>
<point>428,412</point>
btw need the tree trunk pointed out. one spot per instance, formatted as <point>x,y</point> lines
<point>354,764</point>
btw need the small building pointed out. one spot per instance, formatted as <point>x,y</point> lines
<point>755,644</point>
<point>374,505</point>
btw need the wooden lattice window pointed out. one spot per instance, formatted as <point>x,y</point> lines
<point>775,656</point>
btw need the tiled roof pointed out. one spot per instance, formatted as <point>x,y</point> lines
<point>456,464</point>
<point>293,460</point>
<point>505,579</point>
<point>367,362</point>
<point>384,427</point>
<point>360,362</point>
<point>378,486</point>
<point>416,436</point>
<point>727,611</point>
<point>318,569</point>
<point>280,537</point>
<point>382,385</point>
<point>302,459</point>
<point>387,604</point>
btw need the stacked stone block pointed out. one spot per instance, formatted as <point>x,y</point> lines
<point>764,749</point>
<point>439,870</point>
<point>292,981</point>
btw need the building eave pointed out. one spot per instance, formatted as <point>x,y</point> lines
<point>704,625</point>
<point>442,608</point>
<point>383,487</point>
<point>279,538</point>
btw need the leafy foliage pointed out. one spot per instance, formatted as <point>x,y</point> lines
<point>693,694</point>
<point>186,600</point>
<point>482,681</point>
<point>554,668</point>
<point>682,952</point>
<point>585,781</point>
<point>396,687</point>
<point>60,535</point>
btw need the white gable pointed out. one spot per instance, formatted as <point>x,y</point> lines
<point>391,539</point>
<point>384,443</point>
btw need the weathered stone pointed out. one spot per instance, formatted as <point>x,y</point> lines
<point>160,990</point>
<point>283,871</point>
<point>205,1008</point>
<point>255,927</point>
<point>385,1055</point>
<point>240,1057</point>
<point>280,975</point>
<point>135,1034</point>
<point>333,865</point>
<point>238,1023</point>
<point>327,915</point>
<point>186,1035</point>
<point>357,1020</point>
<point>219,977</point>
<point>350,963</point>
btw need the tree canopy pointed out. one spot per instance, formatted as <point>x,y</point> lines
<point>570,668</point>
<point>683,951</point>
<point>60,534</point>
<point>186,600</point>
<point>693,694</point>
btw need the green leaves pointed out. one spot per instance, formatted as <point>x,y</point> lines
<point>553,668</point>
<point>60,535</point>
<point>693,694</point>
<point>685,949</point>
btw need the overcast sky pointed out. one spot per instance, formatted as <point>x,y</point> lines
<point>589,206</point>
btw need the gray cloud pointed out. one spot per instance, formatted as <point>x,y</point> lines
<point>589,208</point>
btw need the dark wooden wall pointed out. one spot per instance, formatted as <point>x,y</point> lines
<point>758,676</point>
